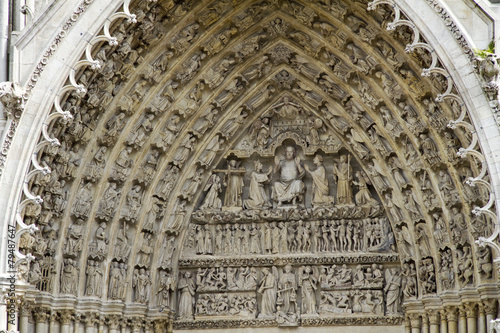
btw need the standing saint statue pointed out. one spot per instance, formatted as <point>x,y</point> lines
<point>267,288</point>
<point>258,198</point>
<point>187,289</point>
<point>343,173</point>
<point>289,187</point>
<point>287,291</point>
<point>320,189</point>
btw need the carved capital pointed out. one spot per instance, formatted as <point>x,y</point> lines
<point>66,316</point>
<point>113,321</point>
<point>451,313</point>
<point>90,319</point>
<point>461,311</point>
<point>162,325</point>
<point>490,306</point>
<point>470,309</point>
<point>433,317</point>
<point>136,323</point>
<point>415,320</point>
<point>481,309</point>
<point>26,309</point>
<point>442,314</point>
<point>40,316</point>
<point>54,317</point>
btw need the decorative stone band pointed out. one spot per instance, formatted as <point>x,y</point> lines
<point>334,321</point>
<point>302,260</point>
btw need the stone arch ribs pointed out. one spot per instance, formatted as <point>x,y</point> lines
<point>351,80</point>
<point>487,209</point>
<point>47,140</point>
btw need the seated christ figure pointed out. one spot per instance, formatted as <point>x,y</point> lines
<point>289,187</point>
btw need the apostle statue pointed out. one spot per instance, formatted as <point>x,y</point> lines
<point>343,173</point>
<point>320,189</point>
<point>258,198</point>
<point>289,187</point>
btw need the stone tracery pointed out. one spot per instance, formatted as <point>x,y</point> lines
<point>293,64</point>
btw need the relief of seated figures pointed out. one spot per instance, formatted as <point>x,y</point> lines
<point>292,185</point>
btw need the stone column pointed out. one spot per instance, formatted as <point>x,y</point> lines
<point>434,321</point>
<point>471,314</point>
<point>76,329</point>
<point>25,312</point>
<point>425,323</point>
<point>40,319</point>
<point>415,323</point>
<point>490,307</point>
<point>444,322</point>
<point>451,315</point>
<point>66,317</point>
<point>53,318</point>
<point>137,324</point>
<point>113,324</point>
<point>407,325</point>
<point>101,325</point>
<point>148,326</point>
<point>462,321</point>
<point>481,319</point>
<point>90,320</point>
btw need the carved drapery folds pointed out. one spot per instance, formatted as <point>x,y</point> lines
<point>255,162</point>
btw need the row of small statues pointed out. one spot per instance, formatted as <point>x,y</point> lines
<point>289,189</point>
<point>290,214</point>
<point>292,237</point>
<point>279,292</point>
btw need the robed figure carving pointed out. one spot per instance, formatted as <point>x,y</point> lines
<point>257,196</point>
<point>233,181</point>
<point>268,290</point>
<point>287,291</point>
<point>290,186</point>
<point>320,189</point>
<point>187,289</point>
<point>343,172</point>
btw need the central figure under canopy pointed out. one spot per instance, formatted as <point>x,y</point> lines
<point>290,186</point>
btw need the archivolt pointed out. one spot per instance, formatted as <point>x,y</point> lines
<point>336,61</point>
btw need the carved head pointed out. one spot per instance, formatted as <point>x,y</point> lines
<point>290,152</point>
<point>318,160</point>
